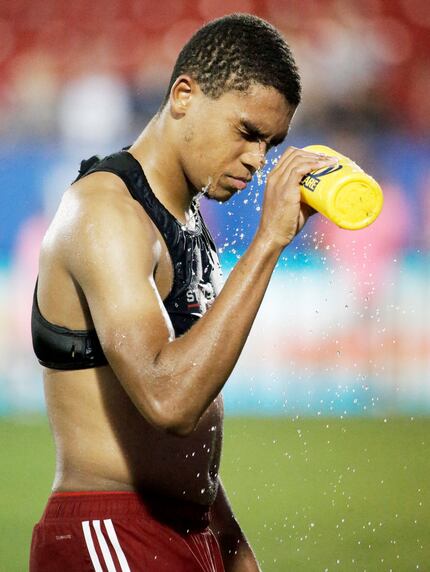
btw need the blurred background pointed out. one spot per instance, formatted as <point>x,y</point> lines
<point>342,341</point>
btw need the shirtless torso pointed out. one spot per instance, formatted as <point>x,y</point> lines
<point>150,422</point>
<point>103,442</point>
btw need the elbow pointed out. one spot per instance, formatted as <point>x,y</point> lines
<point>172,414</point>
<point>177,427</point>
<point>172,420</point>
<point>181,429</point>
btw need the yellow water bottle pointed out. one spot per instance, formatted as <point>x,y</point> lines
<point>343,193</point>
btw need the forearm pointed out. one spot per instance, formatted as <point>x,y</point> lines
<point>200,362</point>
<point>237,555</point>
<point>236,552</point>
<point>204,357</point>
<point>172,380</point>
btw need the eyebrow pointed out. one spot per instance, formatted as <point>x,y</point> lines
<point>255,131</point>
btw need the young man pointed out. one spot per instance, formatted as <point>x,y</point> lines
<point>129,321</point>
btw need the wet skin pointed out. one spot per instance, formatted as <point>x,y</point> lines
<point>102,441</point>
<point>152,419</point>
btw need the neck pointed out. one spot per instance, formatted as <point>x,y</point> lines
<point>155,149</point>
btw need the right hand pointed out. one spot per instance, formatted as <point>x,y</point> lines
<point>283,214</point>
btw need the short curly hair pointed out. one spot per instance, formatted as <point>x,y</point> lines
<point>235,51</point>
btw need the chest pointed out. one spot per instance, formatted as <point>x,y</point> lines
<point>188,277</point>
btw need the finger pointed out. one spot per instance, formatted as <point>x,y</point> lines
<point>294,171</point>
<point>307,210</point>
<point>291,153</point>
<point>282,158</point>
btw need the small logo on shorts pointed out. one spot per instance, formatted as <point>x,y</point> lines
<point>64,537</point>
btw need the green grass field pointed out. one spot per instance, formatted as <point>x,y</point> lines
<point>312,495</point>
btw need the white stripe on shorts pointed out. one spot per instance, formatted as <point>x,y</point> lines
<point>90,546</point>
<point>115,543</point>
<point>103,545</point>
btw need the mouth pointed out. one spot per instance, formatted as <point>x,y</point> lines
<point>238,182</point>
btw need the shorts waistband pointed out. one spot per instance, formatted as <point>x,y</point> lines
<point>119,504</point>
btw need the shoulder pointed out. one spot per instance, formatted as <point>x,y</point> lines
<point>97,214</point>
<point>103,197</point>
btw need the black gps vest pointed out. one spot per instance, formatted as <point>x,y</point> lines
<point>196,279</point>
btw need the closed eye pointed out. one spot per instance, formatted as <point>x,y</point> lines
<point>251,131</point>
<point>251,135</point>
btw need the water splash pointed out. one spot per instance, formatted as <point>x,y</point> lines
<point>204,191</point>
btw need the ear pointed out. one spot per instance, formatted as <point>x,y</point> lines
<point>181,95</point>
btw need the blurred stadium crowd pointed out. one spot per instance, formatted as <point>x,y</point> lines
<point>365,62</point>
<point>78,78</point>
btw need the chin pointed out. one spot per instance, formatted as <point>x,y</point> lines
<point>221,195</point>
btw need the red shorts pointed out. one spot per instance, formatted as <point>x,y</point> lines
<point>119,532</point>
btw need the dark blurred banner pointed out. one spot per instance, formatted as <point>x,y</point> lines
<point>344,328</point>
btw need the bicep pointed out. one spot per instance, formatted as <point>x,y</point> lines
<point>114,266</point>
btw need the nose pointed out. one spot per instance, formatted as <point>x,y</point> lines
<point>254,157</point>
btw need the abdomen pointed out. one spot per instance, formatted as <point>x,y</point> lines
<point>104,443</point>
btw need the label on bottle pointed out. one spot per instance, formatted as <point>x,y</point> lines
<point>312,180</point>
